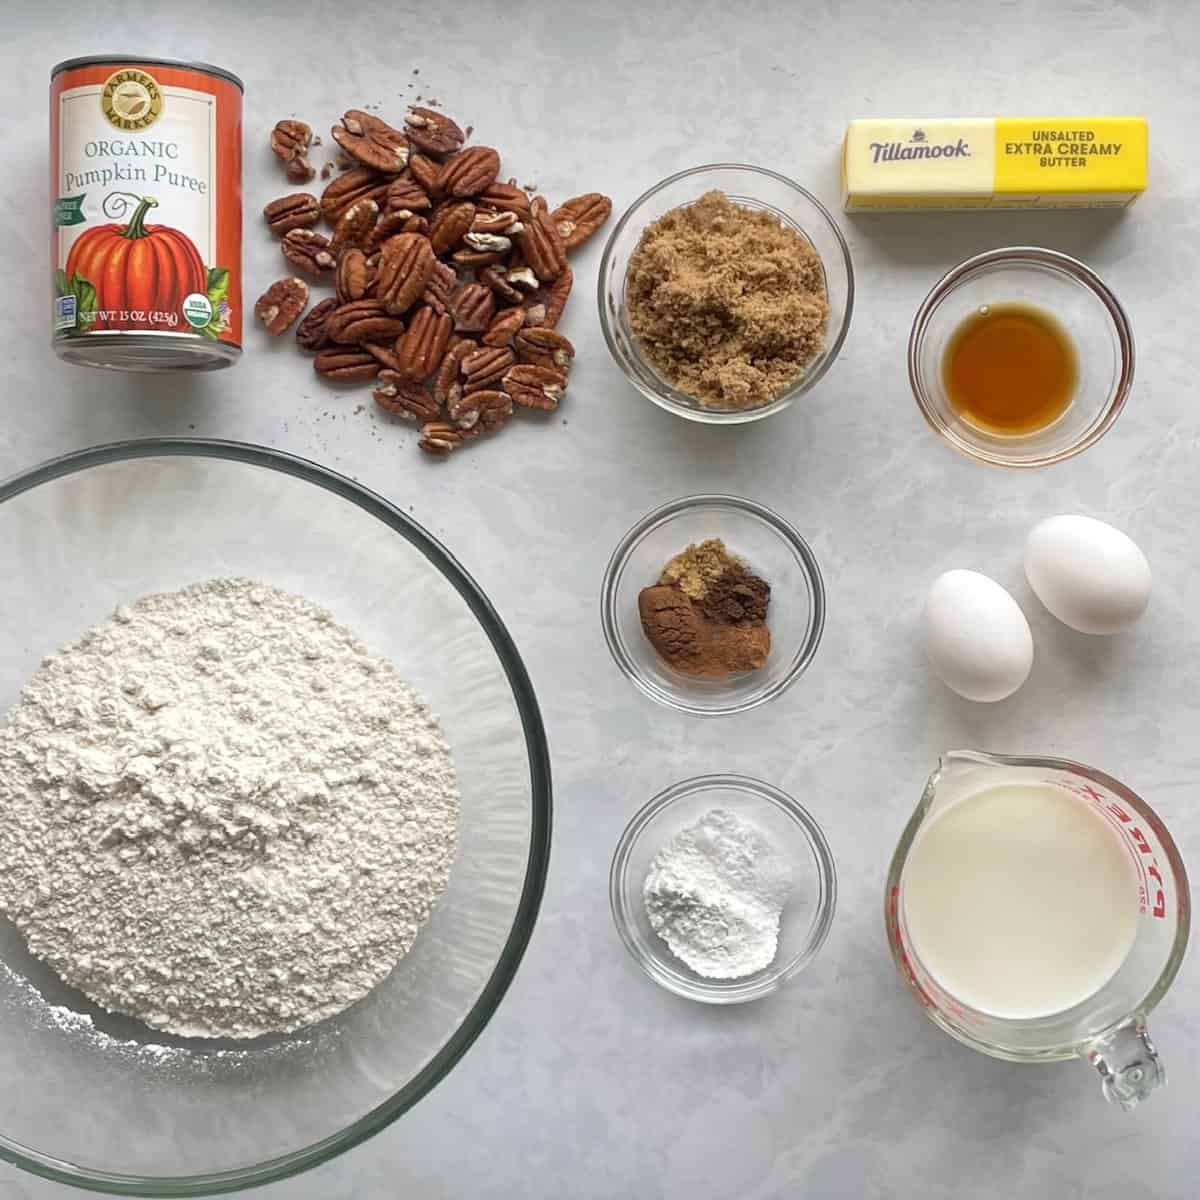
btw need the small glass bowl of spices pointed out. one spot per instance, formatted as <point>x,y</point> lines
<point>725,293</point>
<point>722,887</point>
<point>713,605</point>
<point>1021,357</point>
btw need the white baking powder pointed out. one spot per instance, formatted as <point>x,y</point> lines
<point>715,894</point>
<point>220,814</point>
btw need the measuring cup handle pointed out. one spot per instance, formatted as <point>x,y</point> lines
<point>1128,1063</point>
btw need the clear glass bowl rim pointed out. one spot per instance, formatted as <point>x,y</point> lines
<point>1008,256</point>
<point>537,748</point>
<point>719,416</point>
<point>616,565</point>
<point>730,992</point>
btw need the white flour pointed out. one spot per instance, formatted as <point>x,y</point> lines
<point>220,814</point>
<point>715,893</point>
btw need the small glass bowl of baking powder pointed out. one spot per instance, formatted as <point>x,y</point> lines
<point>794,836</point>
<point>769,546</point>
<point>750,187</point>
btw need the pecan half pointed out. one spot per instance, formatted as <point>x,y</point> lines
<point>354,275</point>
<point>424,343</point>
<point>294,211</point>
<point>473,308</point>
<point>281,304</point>
<point>425,171</point>
<point>485,368</point>
<point>506,197</point>
<point>310,333</point>
<point>535,387</point>
<point>404,399</point>
<point>543,347</point>
<point>345,365</point>
<point>372,141</point>
<point>543,247</point>
<point>433,131</point>
<point>546,305</point>
<point>493,277</point>
<point>354,226</point>
<point>405,192</point>
<point>577,219</point>
<point>363,321</point>
<point>308,250</point>
<point>359,183</point>
<point>446,385</point>
<point>487,221</point>
<point>504,327</point>
<point>483,410</point>
<point>440,286</point>
<point>469,173</point>
<point>406,264</point>
<point>386,356</point>
<point>448,222</point>
<point>388,225</point>
<point>416,224</point>
<point>439,438</point>
<point>290,140</point>
<point>467,259</point>
<point>556,297</point>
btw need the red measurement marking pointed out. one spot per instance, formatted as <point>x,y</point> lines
<point>906,962</point>
<point>1113,812</point>
<point>1160,896</point>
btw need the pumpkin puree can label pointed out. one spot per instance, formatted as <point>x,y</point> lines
<point>146,214</point>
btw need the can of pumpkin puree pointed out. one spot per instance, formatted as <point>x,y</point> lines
<point>146,213</point>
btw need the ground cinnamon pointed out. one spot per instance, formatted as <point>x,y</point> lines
<point>706,615</point>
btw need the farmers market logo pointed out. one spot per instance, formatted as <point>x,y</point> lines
<point>918,146</point>
<point>131,99</point>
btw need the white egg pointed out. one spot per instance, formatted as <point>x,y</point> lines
<point>1088,574</point>
<point>976,636</point>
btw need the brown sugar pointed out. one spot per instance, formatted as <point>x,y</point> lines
<point>706,616</point>
<point>726,302</point>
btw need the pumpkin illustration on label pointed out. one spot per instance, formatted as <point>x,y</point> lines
<point>141,274</point>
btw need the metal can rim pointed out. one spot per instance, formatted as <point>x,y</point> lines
<point>116,60</point>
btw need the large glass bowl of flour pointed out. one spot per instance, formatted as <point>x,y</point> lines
<point>104,1101</point>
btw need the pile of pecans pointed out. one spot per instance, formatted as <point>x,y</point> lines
<point>448,284</point>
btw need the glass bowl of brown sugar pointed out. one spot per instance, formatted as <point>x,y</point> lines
<point>725,293</point>
<point>672,548</point>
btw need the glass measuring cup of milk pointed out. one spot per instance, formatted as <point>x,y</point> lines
<point>1039,909</point>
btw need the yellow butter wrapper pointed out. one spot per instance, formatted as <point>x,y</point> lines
<point>890,165</point>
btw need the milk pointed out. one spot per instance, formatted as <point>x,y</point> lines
<point>1020,900</point>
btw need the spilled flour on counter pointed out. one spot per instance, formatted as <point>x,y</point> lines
<point>220,814</point>
<point>715,894</point>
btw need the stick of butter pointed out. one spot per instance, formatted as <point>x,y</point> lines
<point>994,162</point>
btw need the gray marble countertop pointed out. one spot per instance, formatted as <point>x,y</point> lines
<point>590,1081</point>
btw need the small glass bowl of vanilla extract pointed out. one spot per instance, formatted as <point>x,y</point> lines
<point>1021,357</point>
